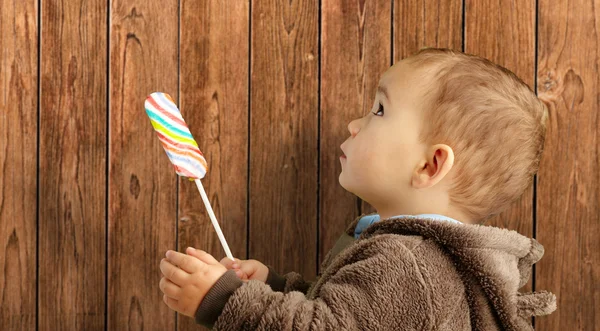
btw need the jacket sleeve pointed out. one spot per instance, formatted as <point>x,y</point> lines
<point>292,281</point>
<point>370,291</point>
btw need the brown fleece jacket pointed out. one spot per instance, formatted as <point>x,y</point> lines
<point>401,274</point>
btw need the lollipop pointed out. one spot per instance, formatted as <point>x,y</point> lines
<point>181,148</point>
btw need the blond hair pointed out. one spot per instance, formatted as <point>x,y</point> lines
<point>491,119</point>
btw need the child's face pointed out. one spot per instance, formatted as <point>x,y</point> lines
<point>384,150</point>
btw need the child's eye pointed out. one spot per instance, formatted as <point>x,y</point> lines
<point>380,110</point>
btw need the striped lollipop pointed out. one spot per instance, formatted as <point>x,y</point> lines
<point>181,148</point>
<point>176,138</point>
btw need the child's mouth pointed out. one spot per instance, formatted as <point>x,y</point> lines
<point>343,156</point>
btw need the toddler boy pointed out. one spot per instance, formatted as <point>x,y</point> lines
<point>452,139</point>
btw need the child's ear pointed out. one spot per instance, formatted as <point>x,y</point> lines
<point>438,162</point>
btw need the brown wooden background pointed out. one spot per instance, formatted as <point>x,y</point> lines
<point>89,202</point>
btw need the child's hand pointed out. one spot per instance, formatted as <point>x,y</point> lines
<point>247,269</point>
<point>187,279</point>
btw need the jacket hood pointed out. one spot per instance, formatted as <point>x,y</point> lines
<point>493,263</point>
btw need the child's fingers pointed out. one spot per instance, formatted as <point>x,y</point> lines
<point>226,262</point>
<point>234,265</point>
<point>172,272</point>
<point>241,275</point>
<point>230,264</point>
<point>185,262</point>
<point>169,288</point>
<point>248,268</point>
<point>201,255</point>
<point>171,303</point>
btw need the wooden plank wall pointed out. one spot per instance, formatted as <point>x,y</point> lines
<point>18,162</point>
<point>568,189</point>
<point>71,234</point>
<point>142,194</point>
<point>89,202</point>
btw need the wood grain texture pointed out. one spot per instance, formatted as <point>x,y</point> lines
<point>568,195</point>
<point>359,40</point>
<point>142,187</point>
<point>504,33</point>
<point>356,50</point>
<point>426,23</point>
<point>283,134</point>
<point>214,102</point>
<point>72,206</point>
<point>18,162</point>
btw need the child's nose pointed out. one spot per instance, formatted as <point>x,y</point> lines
<point>354,127</point>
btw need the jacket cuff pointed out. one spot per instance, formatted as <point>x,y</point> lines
<point>275,280</point>
<point>213,303</point>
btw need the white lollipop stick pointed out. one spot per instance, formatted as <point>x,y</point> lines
<point>213,219</point>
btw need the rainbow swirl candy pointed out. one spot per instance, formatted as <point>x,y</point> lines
<point>176,138</point>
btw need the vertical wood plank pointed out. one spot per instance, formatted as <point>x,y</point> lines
<point>426,23</point>
<point>356,50</point>
<point>283,134</point>
<point>18,162</point>
<point>142,186</point>
<point>504,32</point>
<point>568,195</point>
<point>214,102</point>
<point>72,206</point>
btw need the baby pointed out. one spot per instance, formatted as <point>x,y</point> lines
<point>451,140</point>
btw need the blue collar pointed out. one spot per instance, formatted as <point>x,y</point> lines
<point>367,220</point>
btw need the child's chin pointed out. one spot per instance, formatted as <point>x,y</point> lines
<point>344,181</point>
<point>341,179</point>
